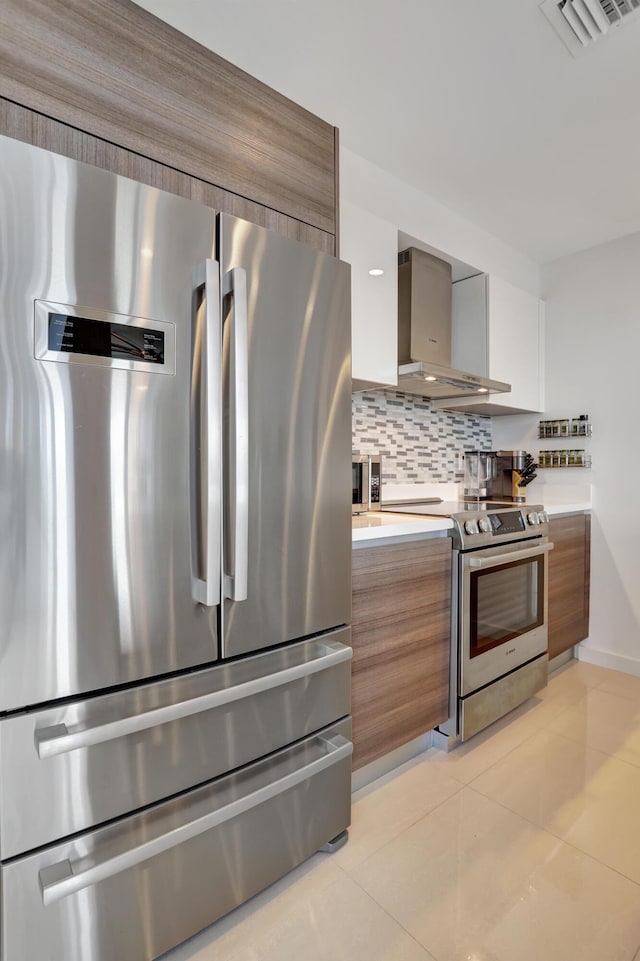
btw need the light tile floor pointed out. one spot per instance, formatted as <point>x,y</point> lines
<point>521,845</point>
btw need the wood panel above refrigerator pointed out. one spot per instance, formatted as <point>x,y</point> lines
<point>114,71</point>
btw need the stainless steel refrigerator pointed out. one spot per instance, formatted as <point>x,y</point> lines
<point>175,442</point>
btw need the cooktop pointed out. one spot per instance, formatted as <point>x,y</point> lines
<point>440,508</point>
<point>481,523</point>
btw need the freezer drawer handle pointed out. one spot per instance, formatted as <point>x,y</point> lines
<point>509,558</point>
<point>59,880</point>
<point>57,739</point>
<point>236,582</point>
<point>206,590</point>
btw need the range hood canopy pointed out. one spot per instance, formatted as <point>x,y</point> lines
<point>424,332</point>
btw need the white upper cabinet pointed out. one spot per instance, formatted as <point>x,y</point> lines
<point>369,243</point>
<point>498,332</point>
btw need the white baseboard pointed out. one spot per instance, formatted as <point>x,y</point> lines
<point>616,662</point>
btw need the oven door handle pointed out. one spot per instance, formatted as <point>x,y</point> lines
<point>480,562</point>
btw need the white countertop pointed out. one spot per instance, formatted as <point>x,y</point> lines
<point>371,526</point>
<point>376,524</point>
<point>571,507</point>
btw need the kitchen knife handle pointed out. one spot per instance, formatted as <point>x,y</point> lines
<point>206,589</point>
<point>235,287</point>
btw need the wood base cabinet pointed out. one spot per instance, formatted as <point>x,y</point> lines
<point>400,630</point>
<point>569,571</point>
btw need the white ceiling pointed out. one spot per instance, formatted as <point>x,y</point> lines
<point>476,102</point>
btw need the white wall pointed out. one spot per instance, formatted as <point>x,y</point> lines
<point>593,367</point>
<point>425,219</point>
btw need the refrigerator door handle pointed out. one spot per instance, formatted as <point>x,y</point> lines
<point>235,286</point>
<point>206,590</point>
<point>59,880</point>
<point>57,739</point>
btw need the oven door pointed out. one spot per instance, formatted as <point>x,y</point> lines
<point>503,610</point>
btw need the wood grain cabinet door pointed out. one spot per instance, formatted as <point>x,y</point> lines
<point>401,625</point>
<point>569,573</point>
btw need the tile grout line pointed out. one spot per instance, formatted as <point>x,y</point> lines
<point>423,947</point>
<point>546,830</point>
<point>589,747</point>
<point>633,699</point>
<point>420,817</point>
<point>498,760</point>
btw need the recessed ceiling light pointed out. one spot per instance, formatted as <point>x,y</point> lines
<point>376,272</point>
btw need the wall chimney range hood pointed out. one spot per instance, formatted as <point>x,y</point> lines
<point>424,332</point>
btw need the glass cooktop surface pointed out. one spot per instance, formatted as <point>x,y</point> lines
<point>439,508</point>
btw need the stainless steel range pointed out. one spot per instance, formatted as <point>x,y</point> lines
<point>498,608</point>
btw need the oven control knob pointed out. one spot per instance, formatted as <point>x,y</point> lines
<point>543,517</point>
<point>533,518</point>
<point>471,527</point>
<point>485,525</point>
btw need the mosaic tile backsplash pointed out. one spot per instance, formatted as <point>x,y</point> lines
<point>417,444</point>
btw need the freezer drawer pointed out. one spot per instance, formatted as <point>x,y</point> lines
<point>137,887</point>
<point>73,766</point>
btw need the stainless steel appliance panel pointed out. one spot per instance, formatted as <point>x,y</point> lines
<point>97,759</point>
<point>476,671</point>
<point>490,703</point>
<point>366,483</point>
<point>139,886</point>
<point>287,423</point>
<point>96,512</point>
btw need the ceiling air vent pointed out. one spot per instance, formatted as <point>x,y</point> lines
<point>580,23</point>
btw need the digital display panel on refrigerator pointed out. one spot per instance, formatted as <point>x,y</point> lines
<point>98,338</point>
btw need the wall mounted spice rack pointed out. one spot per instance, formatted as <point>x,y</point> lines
<point>565,427</point>
<point>564,458</point>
